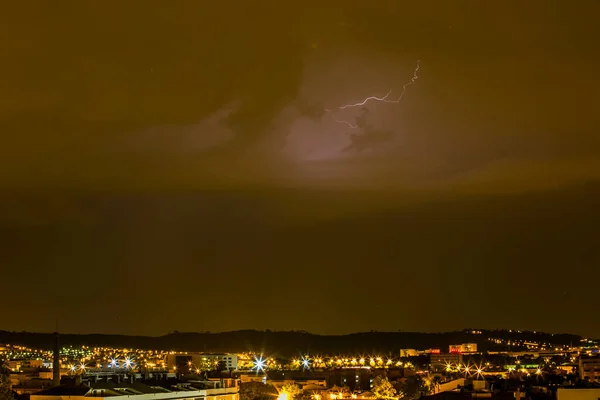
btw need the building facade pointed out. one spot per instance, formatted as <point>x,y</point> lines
<point>440,362</point>
<point>408,353</point>
<point>589,368</point>
<point>463,348</point>
<point>195,362</point>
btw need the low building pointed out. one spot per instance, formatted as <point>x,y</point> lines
<point>322,383</point>
<point>408,353</point>
<point>191,362</point>
<point>451,385</point>
<point>440,362</point>
<point>32,386</point>
<point>578,394</point>
<point>245,378</point>
<point>136,391</point>
<point>463,348</point>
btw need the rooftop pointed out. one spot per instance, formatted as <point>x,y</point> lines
<point>113,389</point>
<point>65,390</point>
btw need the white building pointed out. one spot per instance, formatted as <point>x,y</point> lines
<point>135,391</point>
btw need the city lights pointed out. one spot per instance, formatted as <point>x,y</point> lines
<point>305,363</point>
<point>89,361</point>
<point>259,364</point>
<point>128,363</point>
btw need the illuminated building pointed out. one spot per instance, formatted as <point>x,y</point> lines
<point>408,353</point>
<point>245,378</point>
<point>359,379</point>
<point>191,362</point>
<point>440,362</point>
<point>463,348</point>
<point>589,368</point>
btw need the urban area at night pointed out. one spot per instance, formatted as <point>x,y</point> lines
<point>495,364</point>
<point>299,200</point>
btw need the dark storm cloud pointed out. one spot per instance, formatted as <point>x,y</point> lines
<point>180,151</point>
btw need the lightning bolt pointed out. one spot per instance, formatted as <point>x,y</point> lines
<point>341,121</point>
<point>365,101</point>
<point>412,81</point>
<point>383,99</point>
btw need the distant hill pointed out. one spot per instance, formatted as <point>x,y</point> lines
<point>285,344</point>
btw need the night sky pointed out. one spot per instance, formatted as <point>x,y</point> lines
<point>170,166</point>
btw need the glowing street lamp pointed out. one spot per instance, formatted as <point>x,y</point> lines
<point>259,365</point>
<point>305,363</point>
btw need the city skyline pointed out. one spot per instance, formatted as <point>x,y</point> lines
<point>302,331</point>
<point>304,343</point>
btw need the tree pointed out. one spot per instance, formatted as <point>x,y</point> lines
<point>257,391</point>
<point>291,390</point>
<point>436,382</point>
<point>307,395</point>
<point>6,393</point>
<point>413,387</point>
<point>221,366</point>
<point>5,390</point>
<point>383,389</point>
